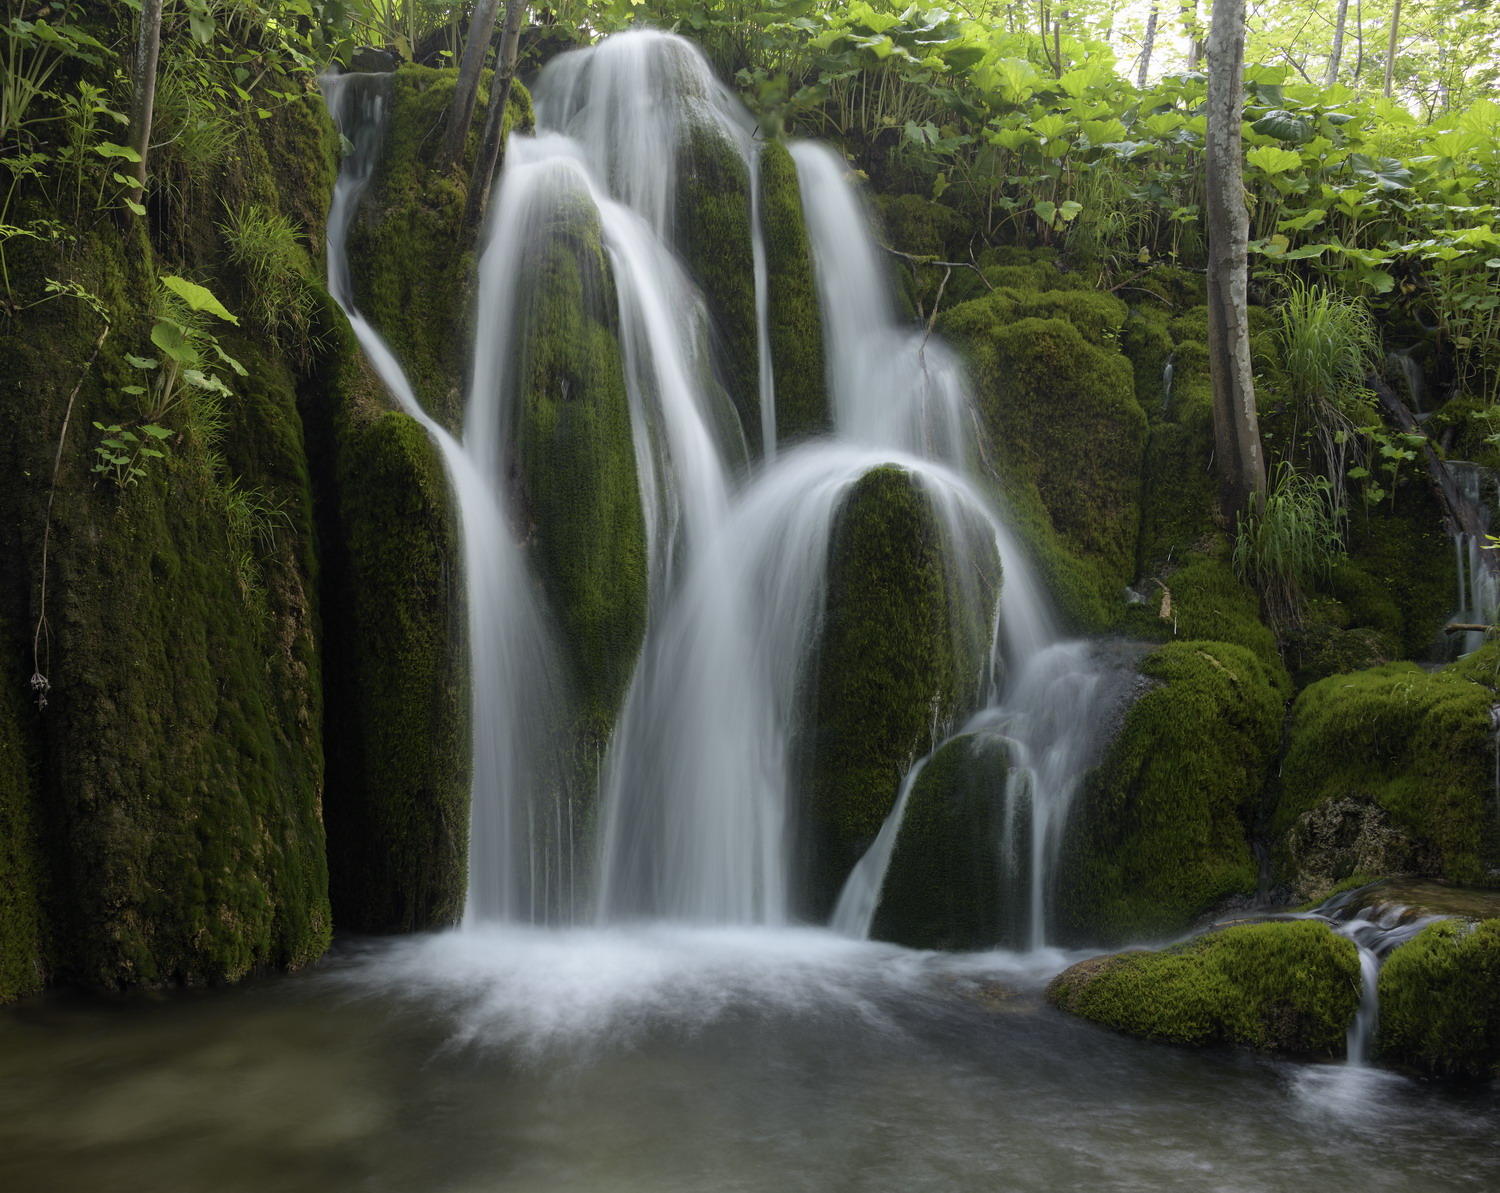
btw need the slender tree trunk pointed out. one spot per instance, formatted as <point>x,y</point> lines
<point>1336,51</point>
<point>466,90</point>
<point>1359,39</point>
<point>1147,47</point>
<point>494,124</point>
<point>1390,50</point>
<point>143,88</point>
<point>1242,470</point>
<point>1191,31</point>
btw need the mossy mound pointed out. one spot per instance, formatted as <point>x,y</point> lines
<point>794,324</point>
<point>411,257</point>
<point>575,462</point>
<point>713,234</point>
<point>888,669</point>
<point>1440,1001</point>
<point>947,883</point>
<point>1407,562</point>
<point>1290,987</point>
<point>1417,744</point>
<point>1158,835</point>
<point>1059,410</point>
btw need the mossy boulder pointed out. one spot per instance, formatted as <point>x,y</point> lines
<point>888,670</point>
<point>410,255</point>
<point>794,323</point>
<point>947,884</point>
<point>574,460</point>
<point>1417,744</point>
<point>398,765</point>
<point>1289,987</point>
<point>1407,561</point>
<point>713,234</point>
<point>1158,835</point>
<point>1202,599</point>
<point>1058,404</point>
<point>1440,1001</point>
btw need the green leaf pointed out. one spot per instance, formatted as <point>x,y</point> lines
<point>157,432</point>
<point>171,339</point>
<point>1284,126</point>
<point>108,149</point>
<point>199,298</point>
<point>1272,159</point>
<point>141,362</point>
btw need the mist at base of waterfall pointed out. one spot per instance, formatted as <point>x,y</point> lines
<point>672,1058</point>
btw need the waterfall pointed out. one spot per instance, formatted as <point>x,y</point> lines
<point>1375,929</point>
<point>1478,584</point>
<point>698,786</point>
<point>516,701</point>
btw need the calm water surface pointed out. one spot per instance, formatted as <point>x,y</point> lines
<point>677,1059</point>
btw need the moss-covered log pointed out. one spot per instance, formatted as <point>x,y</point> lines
<point>1159,834</point>
<point>1278,987</point>
<point>794,324</point>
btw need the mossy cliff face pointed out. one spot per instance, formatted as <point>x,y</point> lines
<point>887,669</point>
<point>1059,410</point>
<point>793,321</point>
<point>1278,987</point>
<point>411,257</point>
<point>180,754</point>
<point>20,848</point>
<point>575,464</point>
<point>713,235</point>
<point>398,798</point>
<point>1416,745</point>
<point>947,885</point>
<point>1159,833</point>
<point>1440,1002</point>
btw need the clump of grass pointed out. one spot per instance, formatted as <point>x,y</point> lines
<point>1290,541</point>
<point>1327,344</point>
<point>254,520</point>
<point>265,245</point>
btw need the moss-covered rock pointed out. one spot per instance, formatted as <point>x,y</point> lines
<point>1406,559</point>
<point>1159,833</point>
<point>411,257</point>
<point>888,669</point>
<point>794,325</point>
<point>575,463</point>
<point>1204,599</point>
<point>1417,744</point>
<point>713,235</point>
<point>1059,410</point>
<point>947,884</point>
<point>1440,1001</point>
<point>1290,987</point>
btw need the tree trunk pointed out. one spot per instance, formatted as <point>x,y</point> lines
<point>494,124</point>
<point>1193,33</point>
<point>1359,39</point>
<point>1147,47</point>
<point>143,88</point>
<point>1242,470</point>
<point>1336,51</point>
<point>1390,51</point>
<point>466,90</point>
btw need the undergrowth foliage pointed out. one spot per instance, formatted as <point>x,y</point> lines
<point>1291,541</point>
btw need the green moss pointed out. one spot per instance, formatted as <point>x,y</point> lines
<point>397,807</point>
<point>575,461</point>
<point>1067,435</point>
<point>1145,340</point>
<point>1281,987</point>
<point>1418,744</point>
<point>886,668</point>
<point>1407,559</point>
<point>794,324</point>
<point>1159,832</point>
<point>947,886</point>
<point>411,257</point>
<point>20,857</point>
<point>1440,1001</point>
<point>713,233</point>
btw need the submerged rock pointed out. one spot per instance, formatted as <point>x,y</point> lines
<point>1440,1001</point>
<point>1290,987</point>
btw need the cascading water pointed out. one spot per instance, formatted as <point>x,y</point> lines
<point>698,811</point>
<point>1478,582</point>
